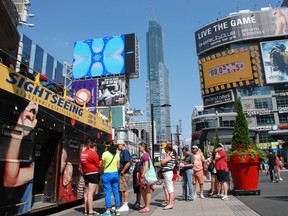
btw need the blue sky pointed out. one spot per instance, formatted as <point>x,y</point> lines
<point>58,23</point>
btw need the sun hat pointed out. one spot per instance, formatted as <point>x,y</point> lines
<point>120,142</point>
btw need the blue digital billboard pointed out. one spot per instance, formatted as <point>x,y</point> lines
<point>99,57</point>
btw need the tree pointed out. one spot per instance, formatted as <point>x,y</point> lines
<point>241,131</point>
<point>217,140</point>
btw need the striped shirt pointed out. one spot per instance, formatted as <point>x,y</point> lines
<point>170,164</point>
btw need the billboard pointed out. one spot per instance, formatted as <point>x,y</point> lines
<point>80,89</point>
<point>227,69</point>
<point>112,55</point>
<point>275,61</point>
<point>111,91</point>
<point>243,26</point>
<point>218,98</point>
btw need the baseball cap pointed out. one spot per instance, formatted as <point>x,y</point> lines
<point>194,147</point>
<point>220,145</point>
<point>120,142</point>
<point>134,156</point>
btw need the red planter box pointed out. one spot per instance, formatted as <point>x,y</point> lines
<point>244,171</point>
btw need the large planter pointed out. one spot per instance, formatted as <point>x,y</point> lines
<point>244,171</point>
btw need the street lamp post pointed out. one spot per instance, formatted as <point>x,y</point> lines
<point>177,137</point>
<point>152,128</point>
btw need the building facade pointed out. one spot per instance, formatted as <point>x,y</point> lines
<point>244,55</point>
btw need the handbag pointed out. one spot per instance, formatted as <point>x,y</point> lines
<point>160,174</point>
<point>150,175</point>
<point>211,167</point>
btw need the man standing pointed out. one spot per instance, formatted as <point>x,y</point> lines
<point>187,166</point>
<point>222,171</point>
<point>272,166</point>
<point>198,171</point>
<point>125,174</point>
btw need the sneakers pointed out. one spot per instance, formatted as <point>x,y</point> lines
<point>202,196</point>
<point>280,179</point>
<point>106,213</point>
<point>117,212</point>
<point>225,198</point>
<point>136,206</point>
<point>195,196</point>
<point>124,208</point>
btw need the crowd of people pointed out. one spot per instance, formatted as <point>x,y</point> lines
<point>118,167</point>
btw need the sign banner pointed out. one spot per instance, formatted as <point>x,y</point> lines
<point>218,98</point>
<point>19,85</point>
<point>242,26</point>
<point>111,91</point>
<point>275,60</point>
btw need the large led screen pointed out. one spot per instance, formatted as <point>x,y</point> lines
<point>99,57</point>
<point>242,26</point>
<point>85,91</point>
<point>275,60</point>
<point>227,69</point>
<point>111,91</point>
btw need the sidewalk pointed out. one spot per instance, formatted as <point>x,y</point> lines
<point>207,206</point>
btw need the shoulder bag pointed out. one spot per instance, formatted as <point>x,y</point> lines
<point>109,163</point>
<point>150,175</point>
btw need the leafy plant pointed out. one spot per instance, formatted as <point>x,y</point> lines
<point>217,140</point>
<point>241,143</point>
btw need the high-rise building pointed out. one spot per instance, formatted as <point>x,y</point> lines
<point>157,86</point>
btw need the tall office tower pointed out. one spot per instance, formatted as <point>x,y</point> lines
<point>157,85</point>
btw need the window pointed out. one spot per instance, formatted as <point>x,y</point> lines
<point>281,88</point>
<point>265,120</point>
<point>252,91</point>
<point>264,137</point>
<point>283,118</point>
<point>282,101</point>
<point>227,123</point>
<point>263,103</point>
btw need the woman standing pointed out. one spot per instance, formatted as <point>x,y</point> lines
<point>145,189</point>
<point>90,168</point>
<point>110,178</point>
<point>168,163</point>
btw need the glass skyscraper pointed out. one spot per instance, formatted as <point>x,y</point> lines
<point>157,85</point>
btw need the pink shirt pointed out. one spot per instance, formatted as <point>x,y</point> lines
<point>198,163</point>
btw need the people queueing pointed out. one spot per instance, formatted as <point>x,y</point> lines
<point>167,165</point>
<point>187,166</point>
<point>90,165</point>
<point>272,166</point>
<point>136,184</point>
<point>214,181</point>
<point>110,179</point>
<point>145,188</point>
<point>222,171</point>
<point>125,174</point>
<point>198,171</point>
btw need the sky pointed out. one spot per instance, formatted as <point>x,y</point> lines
<point>59,23</point>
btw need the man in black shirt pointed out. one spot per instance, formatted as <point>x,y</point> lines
<point>272,166</point>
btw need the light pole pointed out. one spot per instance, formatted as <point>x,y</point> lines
<point>177,137</point>
<point>152,128</point>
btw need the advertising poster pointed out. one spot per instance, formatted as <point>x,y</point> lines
<point>16,154</point>
<point>242,26</point>
<point>99,57</point>
<point>85,90</point>
<point>111,91</point>
<point>275,60</point>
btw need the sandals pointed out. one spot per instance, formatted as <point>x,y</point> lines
<point>168,207</point>
<point>144,210</point>
<point>92,213</point>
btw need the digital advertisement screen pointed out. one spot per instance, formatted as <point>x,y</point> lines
<point>111,91</point>
<point>241,27</point>
<point>99,57</point>
<point>227,69</point>
<point>85,91</point>
<point>275,60</point>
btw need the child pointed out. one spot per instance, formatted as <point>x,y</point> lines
<point>136,186</point>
